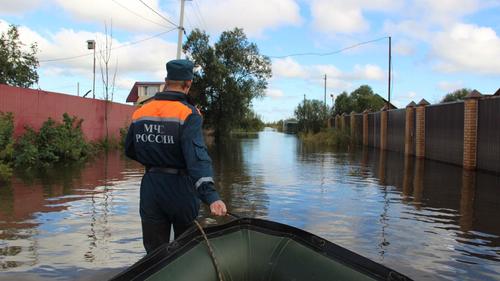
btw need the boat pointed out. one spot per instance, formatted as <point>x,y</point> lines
<point>254,249</point>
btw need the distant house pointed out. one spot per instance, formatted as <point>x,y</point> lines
<point>291,126</point>
<point>142,91</point>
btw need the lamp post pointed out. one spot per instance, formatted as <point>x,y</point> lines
<point>91,46</point>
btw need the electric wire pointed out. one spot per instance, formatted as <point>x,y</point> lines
<point>330,53</point>
<point>200,14</point>
<point>114,48</point>
<point>138,15</point>
<point>160,15</point>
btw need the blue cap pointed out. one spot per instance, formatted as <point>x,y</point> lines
<point>180,70</point>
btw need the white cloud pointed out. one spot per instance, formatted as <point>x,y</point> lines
<point>467,48</point>
<point>253,16</point>
<point>98,11</point>
<point>408,28</point>
<point>404,48</point>
<point>147,58</point>
<point>447,86</point>
<point>288,68</point>
<point>275,93</point>
<point>18,6</point>
<point>340,16</point>
<point>368,72</point>
<point>446,11</point>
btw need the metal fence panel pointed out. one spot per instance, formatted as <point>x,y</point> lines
<point>347,122</point>
<point>396,120</point>
<point>370,129</point>
<point>376,130</point>
<point>358,132</point>
<point>488,136</point>
<point>444,132</point>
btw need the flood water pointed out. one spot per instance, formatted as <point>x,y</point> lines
<point>428,220</point>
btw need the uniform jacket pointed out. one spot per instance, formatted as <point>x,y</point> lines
<point>167,132</point>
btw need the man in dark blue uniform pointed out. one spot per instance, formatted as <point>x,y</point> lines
<point>166,137</point>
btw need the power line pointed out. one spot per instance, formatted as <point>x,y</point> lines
<point>330,53</point>
<point>137,14</point>
<point>198,12</point>
<point>169,21</point>
<point>117,47</point>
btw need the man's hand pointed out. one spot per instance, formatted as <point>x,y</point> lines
<point>218,208</point>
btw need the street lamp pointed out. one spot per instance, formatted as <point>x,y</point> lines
<point>91,46</point>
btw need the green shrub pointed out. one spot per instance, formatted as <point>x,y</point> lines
<point>6,145</point>
<point>331,137</point>
<point>6,136</point>
<point>123,135</point>
<point>26,149</point>
<point>55,142</point>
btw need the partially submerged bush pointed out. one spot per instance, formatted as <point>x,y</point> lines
<point>55,142</point>
<point>331,137</point>
<point>6,145</point>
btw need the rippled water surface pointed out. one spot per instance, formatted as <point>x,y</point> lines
<point>426,219</point>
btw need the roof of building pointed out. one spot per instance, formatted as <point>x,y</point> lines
<point>134,92</point>
<point>390,105</point>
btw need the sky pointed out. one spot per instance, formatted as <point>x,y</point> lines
<point>437,46</point>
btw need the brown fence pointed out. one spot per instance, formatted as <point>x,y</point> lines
<point>396,134</point>
<point>33,107</point>
<point>444,132</point>
<point>371,129</point>
<point>358,128</point>
<point>376,131</point>
<point>463,133</point>
<point>488,142</point>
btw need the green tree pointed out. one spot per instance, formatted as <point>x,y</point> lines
<point>364,98</point>
<point>359,100</point>
<point>251,122</point>
<point>311,115</point>
<point>232,74</point>
<point>343,103</point>
<point>456,95</point>
<point>18,66</point>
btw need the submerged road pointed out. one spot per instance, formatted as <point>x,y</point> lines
<point>428,220</point>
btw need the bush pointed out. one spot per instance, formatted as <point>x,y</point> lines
<point>330,137</point>
<point>6,145</point>
<point>55,142</point>
<point>26,149</point>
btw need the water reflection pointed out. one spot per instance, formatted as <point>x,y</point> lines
<point>52,221</point>
<point>426,219</point>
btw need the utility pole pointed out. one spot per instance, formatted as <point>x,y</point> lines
<point>389,80</point>
<point>181,30</point>
<point>78,88</point>
<point>325,91</point>
<point>90,46</point>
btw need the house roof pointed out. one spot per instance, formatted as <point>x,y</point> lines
<point>134,92</point>
<point>391,106</point>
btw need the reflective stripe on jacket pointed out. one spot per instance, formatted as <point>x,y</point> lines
<point>167,132</point>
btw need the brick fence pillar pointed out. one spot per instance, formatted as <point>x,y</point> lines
<point>353,125</point>
<point>420,129</point>
<point>467,200</point>
<point>409,128</point>
<point>470,130</point>
<point>365,128</point>
<point>383,128</point>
